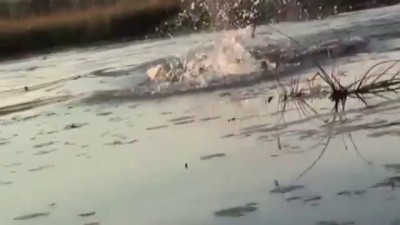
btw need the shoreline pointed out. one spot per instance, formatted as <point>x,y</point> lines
<point>26,37</point>
<point>43,34</point>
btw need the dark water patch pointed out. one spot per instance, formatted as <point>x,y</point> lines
<point>312,199</point>
<point>393,49</point>
<point>118,119</point>
<point>83,155</point>
<point>392,182</point>
<point>87,214</point>
<point>44,144</point>
<point>207,157</point>
<point>157,127</point>
<point>179,119</point>
<point>379,124</point>
<point>378,134</point>
<point>331,222</point>
<point>92,223</point>
<point>33,68</point>
<point>352,193</point>
<point>249,97</point>
<point>105,134</point>
<point>293,198</point>
<point>184,122</point>
<point>29,117</point>
<point>224,94</point>
<point>12,165</point>
<point>69,143</point>
<point>120,136</point>
<point>133,106</point>
<point>40,168</point>
<point>6,110</point>
<point>392,167</point>
<point>286,189</point>
<point>264,138</point>
<point>206,119</point>
<point>294,147</point>
<point>4,183</point>
<point>227,136</point>
<point>50,114</point>
<point>252,204</point>
<point>2,143</point>
<point>130,124</point>
<point>44,152</point>
<point>115,73</point>
<point>238,211</point>
<point>254,128</point>
<point>104,113</point>
<point>32,216</point>
<point>165,113</point>
<point>118,142</point>
<point>233,119</point>
<point>75,126</point>
<point>307,134</point>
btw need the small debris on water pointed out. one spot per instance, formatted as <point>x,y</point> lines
<point>32,216</point>
<point>74,126</point>
<point>207,157</point>
<point>87,214</point>
<point>186,165</point>
<point>350,193</point>
<point>238,211</point>
<point>232,120</point>
<point>293,198</point>
<point>312,199</point>
<point>286,189</point>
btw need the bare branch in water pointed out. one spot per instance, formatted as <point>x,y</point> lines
<point>370,85</point>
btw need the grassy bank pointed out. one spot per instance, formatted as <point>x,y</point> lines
<point>24,33</point>
<point>28,26</point>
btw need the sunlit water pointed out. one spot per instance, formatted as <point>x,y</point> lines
<point>97,153</point>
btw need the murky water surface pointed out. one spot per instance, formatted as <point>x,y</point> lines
<point>79,148</point>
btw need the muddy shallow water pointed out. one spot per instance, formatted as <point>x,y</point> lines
<point>205,158</point>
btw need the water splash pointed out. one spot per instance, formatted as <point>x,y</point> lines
<point>228,55</point>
